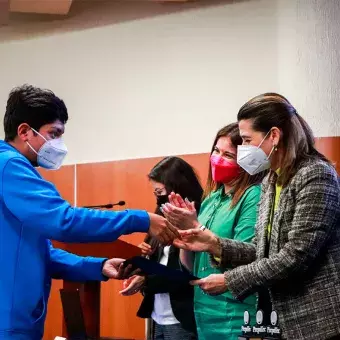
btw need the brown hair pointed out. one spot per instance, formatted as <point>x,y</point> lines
<point>273,110</point>
<point>244,181</point>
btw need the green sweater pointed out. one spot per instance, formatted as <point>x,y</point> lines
<point>221,317</point>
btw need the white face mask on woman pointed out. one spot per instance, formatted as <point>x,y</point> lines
<point>51,154</point>
<point>252,158</point>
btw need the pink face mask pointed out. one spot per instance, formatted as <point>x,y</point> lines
<point>223,171</point>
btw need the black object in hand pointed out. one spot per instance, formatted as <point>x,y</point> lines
<point>149,267</point>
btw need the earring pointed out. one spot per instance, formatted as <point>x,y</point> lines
<point>275,147</point>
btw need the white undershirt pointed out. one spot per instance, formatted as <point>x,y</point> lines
<point>162,311</point>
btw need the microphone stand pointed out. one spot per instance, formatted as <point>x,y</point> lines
<point>104,206</point>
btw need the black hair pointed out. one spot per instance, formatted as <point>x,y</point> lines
<point>33,106</point>
<point>178,176</point>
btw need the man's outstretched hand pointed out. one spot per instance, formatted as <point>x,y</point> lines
<point>162,230</point>
<point>114,269</point>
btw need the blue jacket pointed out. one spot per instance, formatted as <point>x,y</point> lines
<point>31,213</point>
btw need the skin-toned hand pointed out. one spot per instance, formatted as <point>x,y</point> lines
<point>213,284</point>
<point>132,285</point>
<point>198,240</point>
<point>162,230</point>
<point>114,269</point>
<point>180,213</point>
<point>177,201</point>
<point>146,249</point>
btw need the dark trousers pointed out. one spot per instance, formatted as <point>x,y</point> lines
<point>172,332</point>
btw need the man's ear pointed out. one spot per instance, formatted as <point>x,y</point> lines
<point>24,132</point>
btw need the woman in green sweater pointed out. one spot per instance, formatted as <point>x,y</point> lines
<point>229,210</point>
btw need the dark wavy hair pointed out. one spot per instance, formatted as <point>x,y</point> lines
<point>178,176</point>
<point>33,106</point>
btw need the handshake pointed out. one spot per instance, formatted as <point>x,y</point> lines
<point>160,229</point>
<point>179,227</point>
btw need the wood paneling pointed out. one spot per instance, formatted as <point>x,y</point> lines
<point>201,164</point>
<point>330,147</point>
<point>54,319</point>
<point>118,313</point>
<point>63,179</point>
<point>4,12</point>
<point>117,248</point>
<point>60,7</point>
<point>109,182</point>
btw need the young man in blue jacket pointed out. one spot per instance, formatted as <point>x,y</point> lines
<point>32,212</point>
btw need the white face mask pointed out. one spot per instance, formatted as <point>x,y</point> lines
<point>51,154</point>
<point>252,158</point>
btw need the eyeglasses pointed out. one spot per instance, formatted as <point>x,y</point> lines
<point>159,192</point>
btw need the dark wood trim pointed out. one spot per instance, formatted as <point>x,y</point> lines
<point>4,12</point>
<point>330,147</point>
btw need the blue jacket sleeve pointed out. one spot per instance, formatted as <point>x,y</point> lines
<point>70,267</point>
<point>38,206</point>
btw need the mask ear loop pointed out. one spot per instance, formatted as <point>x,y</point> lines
<point>264,138</point>
<point>273,148</point>
<point>31,147</point>
<point>39,134</point>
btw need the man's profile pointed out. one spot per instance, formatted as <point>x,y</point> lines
<point>32,213</point>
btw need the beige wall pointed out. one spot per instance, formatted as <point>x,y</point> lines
<point>308,41</point>
<point>153,80</point>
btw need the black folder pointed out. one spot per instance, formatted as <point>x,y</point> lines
<point>149,267</point>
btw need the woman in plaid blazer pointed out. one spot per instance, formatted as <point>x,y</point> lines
<point>296,251</point>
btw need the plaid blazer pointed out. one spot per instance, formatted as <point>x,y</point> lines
<point>302,270</point>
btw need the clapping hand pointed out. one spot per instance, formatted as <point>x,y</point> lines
<point>180,213</point>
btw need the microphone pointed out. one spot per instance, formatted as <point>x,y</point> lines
<point>105,206</point>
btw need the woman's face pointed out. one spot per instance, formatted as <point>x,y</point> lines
<point>158,188</point>
<point>252,137</point>
<point>225,149</point>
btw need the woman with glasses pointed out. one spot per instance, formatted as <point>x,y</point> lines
<point>168,303</point>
